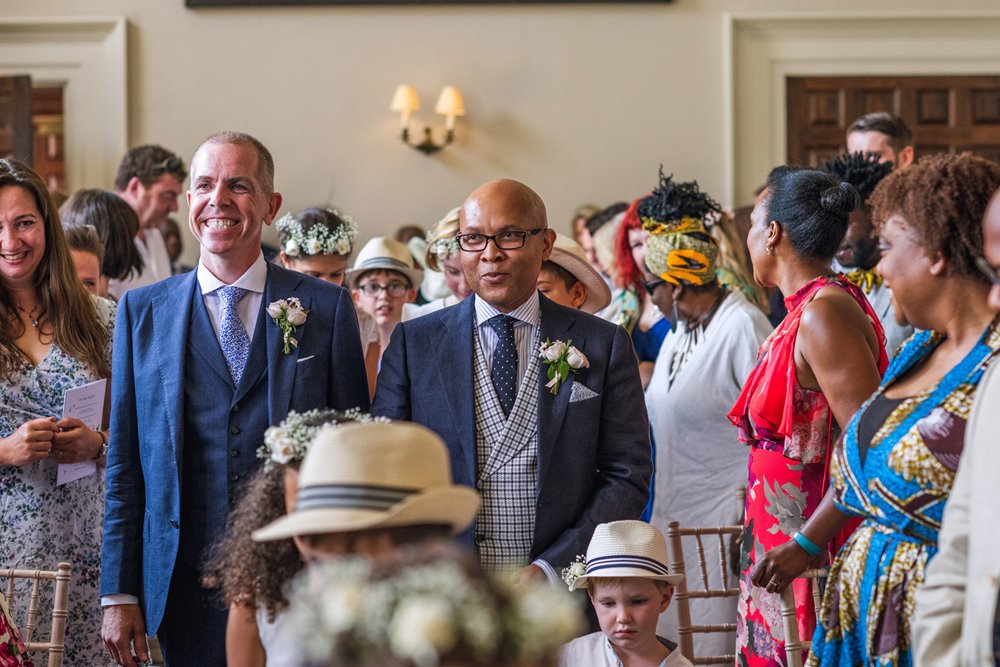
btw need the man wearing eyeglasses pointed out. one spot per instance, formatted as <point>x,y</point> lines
<point>551,459</point>
<point>150,180</point>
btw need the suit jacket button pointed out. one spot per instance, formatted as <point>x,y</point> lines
<point>236,408</point>
<point>175,523</point>
<point>233,477</point>
<point>234,430</point>
<point>234,452</point>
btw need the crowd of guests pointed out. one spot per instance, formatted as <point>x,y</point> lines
<point>397,454</point>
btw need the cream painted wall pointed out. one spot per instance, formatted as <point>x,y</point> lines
<point>582,102</point>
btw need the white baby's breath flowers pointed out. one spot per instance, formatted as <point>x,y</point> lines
<point>289,440</point>
<point>319,239</point>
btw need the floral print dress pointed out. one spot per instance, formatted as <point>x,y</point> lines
<point>790,430</point>
<point>899,484</point>
<point>42,524</point>
<point>12,650</point>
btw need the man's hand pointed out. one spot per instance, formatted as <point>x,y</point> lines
<point>529,574</point>
<point>122,630</point>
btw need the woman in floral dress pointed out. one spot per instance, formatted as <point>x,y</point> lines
<point>53,336</point>
<point>812,374</point>
<point>898,459</point>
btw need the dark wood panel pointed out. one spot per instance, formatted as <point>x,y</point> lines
<point>15,118</point>
<point>946,113</point>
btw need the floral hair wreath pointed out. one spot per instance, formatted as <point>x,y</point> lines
<point>444,247</point>
<point>319,239</point>
<point>290,440</point>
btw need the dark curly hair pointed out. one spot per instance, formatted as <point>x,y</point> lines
<point>812,208</point>
<point>943,197</point>
<point>248,572</point>
<point>672,200</point>
<point>862,171</point>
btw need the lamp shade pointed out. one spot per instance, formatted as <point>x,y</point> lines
<point>450,102</point>
<point>405,100</point>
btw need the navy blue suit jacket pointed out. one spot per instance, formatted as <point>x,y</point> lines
<point>594,458</point>
<point>142,508</point>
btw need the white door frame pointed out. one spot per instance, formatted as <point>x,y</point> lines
<point>762,49</point>
<point>88,57</point>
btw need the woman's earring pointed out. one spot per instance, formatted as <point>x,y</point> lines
<point>770,250</point>
<point>674,316</point>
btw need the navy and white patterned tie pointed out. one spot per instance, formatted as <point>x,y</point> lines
<point>503,371</point>
<point>232,334</point>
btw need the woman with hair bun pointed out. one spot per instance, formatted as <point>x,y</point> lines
<point>812,373</point>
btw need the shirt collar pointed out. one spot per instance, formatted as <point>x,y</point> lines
<point>529,312</point>
<point>252,280</point>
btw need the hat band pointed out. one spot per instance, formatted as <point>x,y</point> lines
<point>382,261</point>
<point>350,496</point>
<point>632,562</point>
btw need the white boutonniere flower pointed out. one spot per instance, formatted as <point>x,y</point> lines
<point>288,314</point>
<point>576,569</point>
<point>562,359</point>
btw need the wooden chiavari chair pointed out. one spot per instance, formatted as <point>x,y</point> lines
<point>684,592</point>
<point>55,646</point>
<point>795,646</point>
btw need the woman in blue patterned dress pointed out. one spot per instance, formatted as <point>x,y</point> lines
<point>53,336</point>
<point>896,464</point>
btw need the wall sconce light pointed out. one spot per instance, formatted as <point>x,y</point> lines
<point>449,104</point>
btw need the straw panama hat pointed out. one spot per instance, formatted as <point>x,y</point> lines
<point>375,475</point>
<point>627,549</point>
<point>388,255</point>
<point>568,254</point>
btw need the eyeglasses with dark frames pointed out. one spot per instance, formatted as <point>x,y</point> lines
<point>394,290</point>
<point>510,240</point>
<point>651,285</point>
<point>987,270</point>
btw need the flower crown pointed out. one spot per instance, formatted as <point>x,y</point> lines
<point>444,247</point>
<point>319,239</point>
<point>291,439</point>
<point>351,611</point>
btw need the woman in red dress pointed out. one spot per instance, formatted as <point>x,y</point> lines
<point>813,372</point>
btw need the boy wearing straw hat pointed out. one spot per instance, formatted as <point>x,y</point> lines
<point>568,278</point>
<point>626,576</point>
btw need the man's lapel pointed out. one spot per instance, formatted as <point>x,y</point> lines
<point>557,324</point>
<point>451,356</point>
<point>171,322</point>
<point>281,284</point>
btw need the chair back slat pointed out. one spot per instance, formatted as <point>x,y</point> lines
<point>56,644</point>
<point>702,565</point>
<point>723,570</point>
<point>795,646</point>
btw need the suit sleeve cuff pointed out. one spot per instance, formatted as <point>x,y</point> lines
<point>118,598</point>
<point>547,569</point>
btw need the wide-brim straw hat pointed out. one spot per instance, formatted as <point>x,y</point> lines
<point>627,549</point>
<point>386,255</point>
<point>378,475</point>
<point>568,254</point>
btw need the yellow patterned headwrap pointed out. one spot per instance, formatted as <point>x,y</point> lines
<point>678,257</point>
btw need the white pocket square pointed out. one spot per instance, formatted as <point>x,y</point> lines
<point>581,393</point>
<point>305,358</point>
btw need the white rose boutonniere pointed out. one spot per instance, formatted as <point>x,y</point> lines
<point>288,314</point>
<point>576,569</point>
<point>562,359</point>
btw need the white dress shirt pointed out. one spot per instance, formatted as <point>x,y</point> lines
<point>253,280</point>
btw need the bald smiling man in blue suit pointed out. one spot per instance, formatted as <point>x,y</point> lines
<point>200,370</point>
<point>550,466</point>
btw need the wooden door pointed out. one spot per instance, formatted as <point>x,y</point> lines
<point>946,113</point>
<point>15,117</point>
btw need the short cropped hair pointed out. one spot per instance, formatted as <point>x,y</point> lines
<point>944,198</point>
<point>148,163</point>
<point>567,278</point>
<point>265,163</point>
<point>899,133</point>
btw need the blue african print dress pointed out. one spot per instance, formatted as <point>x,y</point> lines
<point>899,486</point>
